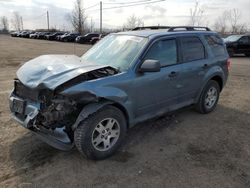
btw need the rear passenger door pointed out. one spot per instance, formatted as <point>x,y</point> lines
<point>194,66</point>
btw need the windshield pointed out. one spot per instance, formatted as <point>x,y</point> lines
<point>117,51</point>
<point>233,38</point>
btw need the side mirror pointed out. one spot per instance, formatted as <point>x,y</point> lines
<point>150,65</point>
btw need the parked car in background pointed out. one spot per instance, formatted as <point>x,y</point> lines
<point>27,34</point>
<point>58,38</point>
<point>20,34</point>
<point>53,36</point>
<point>96,39</point>
<point>34,35</point>
<point>238,44</point>
<point>42,35</point>
<point>86,38</point>
<point>14,34</point>
<point>91,101</point>
<point>69,37</point>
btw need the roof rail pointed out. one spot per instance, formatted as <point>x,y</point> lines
<point>189,28</point>
<point>151,27</point>
<point>174,28</point>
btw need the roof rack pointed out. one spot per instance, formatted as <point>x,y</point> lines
<point>151,27</point>
<point>174,28</point>
<point>189,28</point>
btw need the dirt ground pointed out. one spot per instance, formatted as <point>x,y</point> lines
<point>185,150</point>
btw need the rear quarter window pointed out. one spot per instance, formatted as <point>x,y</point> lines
<point>192,49</point>
<point>216,45</point>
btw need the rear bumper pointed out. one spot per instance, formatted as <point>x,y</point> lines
<point>57,138</point>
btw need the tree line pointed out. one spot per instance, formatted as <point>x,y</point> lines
<point>227,22</point>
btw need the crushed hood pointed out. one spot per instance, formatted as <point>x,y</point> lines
<point>50,71</point>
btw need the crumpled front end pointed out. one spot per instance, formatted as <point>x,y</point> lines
<point>38,103</point>
<point>46,115</point>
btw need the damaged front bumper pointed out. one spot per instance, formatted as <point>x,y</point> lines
<point>25,113</point>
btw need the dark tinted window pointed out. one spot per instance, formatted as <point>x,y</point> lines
<point>216,44</point>
<point>192,49</point>
<point>165,51</point>
<point>244,40</point>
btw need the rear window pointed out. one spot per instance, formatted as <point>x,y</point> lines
<point>192,49</point>
<point>216,45</point>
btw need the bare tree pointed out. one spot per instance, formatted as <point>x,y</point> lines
<point>5,23</point>
<point>234,16</point>
<point>220,24</point>
<point>242,28</point>
<point>133,22</point>
<point>78,17</point>
<point>196,15</point>
<point>17,21</point>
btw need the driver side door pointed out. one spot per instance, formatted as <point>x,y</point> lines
<point>159,91</point>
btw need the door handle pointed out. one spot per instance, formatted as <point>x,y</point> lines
<point>173,74</point>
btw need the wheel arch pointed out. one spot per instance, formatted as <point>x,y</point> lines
<point>216,77</point>
<point>219,80</point>
<point>91,108</point>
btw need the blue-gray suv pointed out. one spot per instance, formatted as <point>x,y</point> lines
<point>126,78</point>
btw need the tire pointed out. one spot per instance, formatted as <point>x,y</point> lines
<point>247,54</point>
<point>203,106</point>
<point>90,138</point>
<point>230,52</point>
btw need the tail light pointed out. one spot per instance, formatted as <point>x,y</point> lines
<point>228,64</point>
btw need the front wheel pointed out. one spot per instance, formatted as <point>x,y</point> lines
<point>101,134</point>
<point>209,97</point>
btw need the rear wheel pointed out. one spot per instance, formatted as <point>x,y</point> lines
<point>247,54</point>
<point>101,134</point>
<point>209,97</point>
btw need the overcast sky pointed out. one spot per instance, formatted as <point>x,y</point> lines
<point>169,12</point>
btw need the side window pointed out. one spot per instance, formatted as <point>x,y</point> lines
<point>216,45</point>
<point>165,51</point>
<point>244,40</point>
<point>192,49</point>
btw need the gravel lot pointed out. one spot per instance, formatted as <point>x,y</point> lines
<point>186,149</point>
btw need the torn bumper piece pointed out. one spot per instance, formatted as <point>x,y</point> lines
<point>25,113</point>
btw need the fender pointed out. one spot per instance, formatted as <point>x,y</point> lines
<point>215,71</point>
<point>88,110</point>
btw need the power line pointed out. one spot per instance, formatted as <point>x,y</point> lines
<point>37,17</point>
<point>131,2</point>
<point>134,4</point>
<point>123,6</point>
<point>91,6</point>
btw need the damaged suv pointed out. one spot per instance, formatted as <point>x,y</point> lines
<point>128,77</point>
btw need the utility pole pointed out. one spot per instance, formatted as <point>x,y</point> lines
<point>21,22</point>
<point>100,17</point>
<point>48,19</point>
<point>91,25</point>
